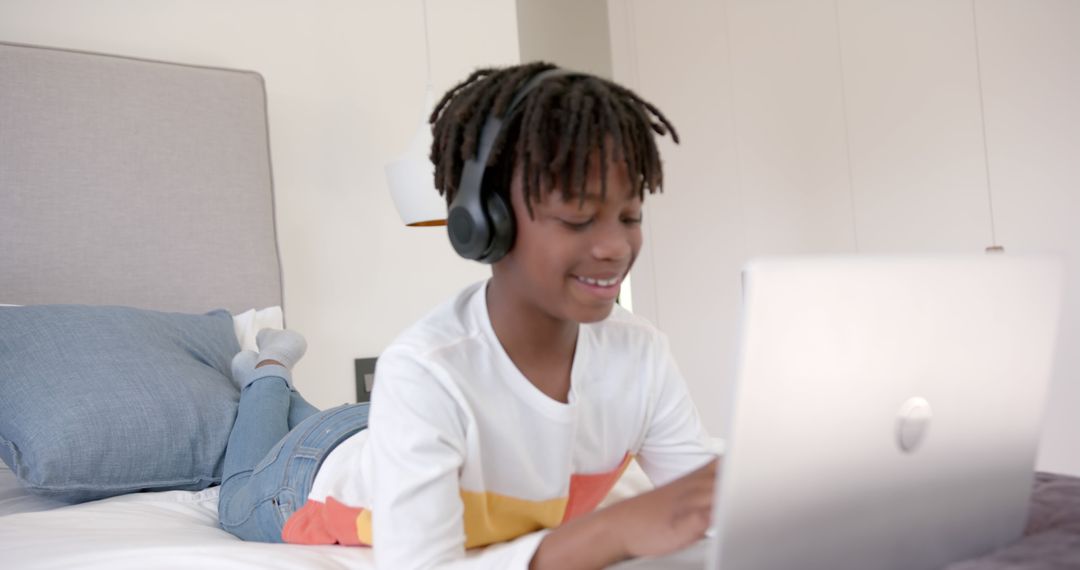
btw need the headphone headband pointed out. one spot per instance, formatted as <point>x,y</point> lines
<point>493,125</point>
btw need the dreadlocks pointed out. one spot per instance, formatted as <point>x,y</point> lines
<point>555,130</point>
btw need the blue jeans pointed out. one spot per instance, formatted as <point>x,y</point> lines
<point>276,446</point>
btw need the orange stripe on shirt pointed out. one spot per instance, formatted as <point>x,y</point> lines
<point>332,522</point>
<point>586,491</point>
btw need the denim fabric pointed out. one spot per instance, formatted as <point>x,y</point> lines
<point>268,468</point>
<point>299,409</point>
<point>100,401</point>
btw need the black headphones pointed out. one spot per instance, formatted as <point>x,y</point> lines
<point>480,226</point>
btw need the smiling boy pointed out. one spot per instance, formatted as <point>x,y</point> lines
<point>503,417</point>
<point>514,408</point>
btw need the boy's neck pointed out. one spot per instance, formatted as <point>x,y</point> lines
<point>542,347</point>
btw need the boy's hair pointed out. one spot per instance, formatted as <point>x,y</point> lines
<point>555,128</point>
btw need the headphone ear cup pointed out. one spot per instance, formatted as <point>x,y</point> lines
<point>503,228</point>
<point>469,231</point>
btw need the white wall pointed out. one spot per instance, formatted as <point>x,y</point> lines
<point>345,83</point>
<point>830,126</point>
<point>1031,83</point>
<point>569,33</point>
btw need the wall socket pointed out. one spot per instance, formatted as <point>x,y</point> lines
<point>365,378</point>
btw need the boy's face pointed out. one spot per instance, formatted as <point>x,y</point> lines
<point>570,258</point>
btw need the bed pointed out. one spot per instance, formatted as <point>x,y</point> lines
<point>148,184</point>
<point>144,184</point>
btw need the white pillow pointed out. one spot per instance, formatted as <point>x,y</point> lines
<point>250,322</point>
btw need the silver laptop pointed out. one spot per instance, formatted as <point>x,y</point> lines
<point>887,412</point>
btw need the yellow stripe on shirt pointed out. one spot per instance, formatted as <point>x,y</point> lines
<point>491,517</point>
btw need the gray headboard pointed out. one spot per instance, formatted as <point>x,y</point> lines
<point>134,182</point>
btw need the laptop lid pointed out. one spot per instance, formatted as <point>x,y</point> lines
<point>887,410</point>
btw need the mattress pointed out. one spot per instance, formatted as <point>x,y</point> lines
<point>178,529</point>
<point>172,529</point>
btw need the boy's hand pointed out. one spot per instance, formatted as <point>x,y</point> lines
<point>663,520</point>
<point>667,518</point>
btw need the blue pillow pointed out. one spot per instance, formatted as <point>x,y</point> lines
<point>100,401</point>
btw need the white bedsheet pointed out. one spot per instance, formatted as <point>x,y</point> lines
<point>172,529</point>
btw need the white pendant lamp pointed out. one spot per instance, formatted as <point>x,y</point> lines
<point>411,176</point>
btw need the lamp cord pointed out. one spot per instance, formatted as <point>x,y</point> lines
<point>427,45</point>
<point>982,121</point>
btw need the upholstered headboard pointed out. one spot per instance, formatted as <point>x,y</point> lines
<point>134,182</point>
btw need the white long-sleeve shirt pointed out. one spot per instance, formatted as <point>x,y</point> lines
<point>462,451</point>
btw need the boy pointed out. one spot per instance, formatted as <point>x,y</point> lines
<point>502,418</point>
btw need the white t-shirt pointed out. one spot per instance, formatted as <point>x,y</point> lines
<point>463,451</point>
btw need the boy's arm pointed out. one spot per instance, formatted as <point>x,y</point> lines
<point>417,439</point>
<point>676,455</point>
<point>675,442</point>
<point>661,521</point>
